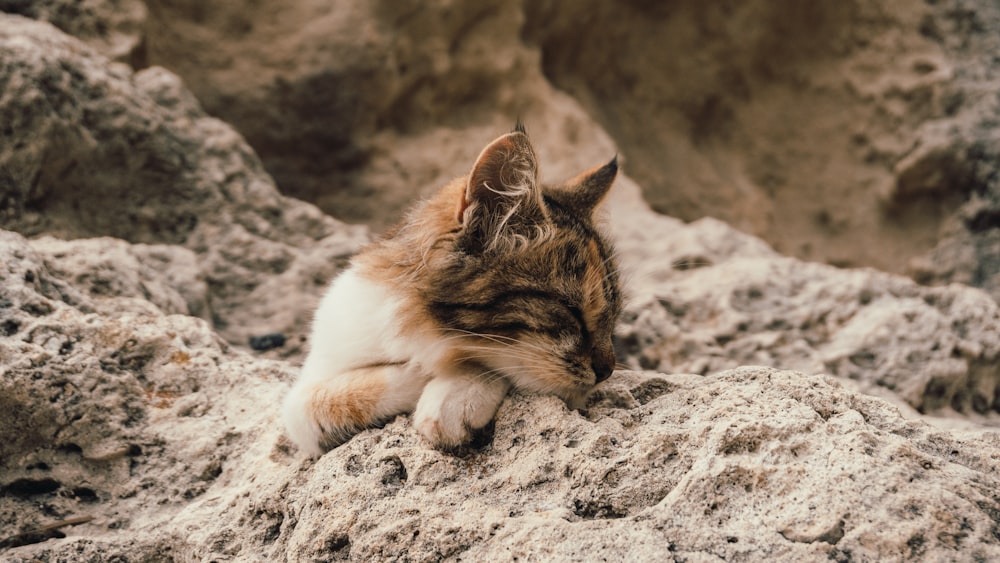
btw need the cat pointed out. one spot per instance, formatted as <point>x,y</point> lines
<point>495,281</point>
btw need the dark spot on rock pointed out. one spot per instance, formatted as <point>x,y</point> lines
<point>627,345</point>
<point>651,389</point>
<point>778,324</point>
<point>85,494</point>
<point>337,545</point>
<point>980,404</point>
<point>677,310</point>
<point>71,448</point>
<point>274,522</point>
<point>691,262</point>
<point>393,473</point>
<point>863,359</point>
<point>9,327</point>
<point>354,465</point>
<point>610,398</point>
<point>66,347</point>
<point>37,308</point>
<point>266,342</point>
<point>984,220</point>
<point>212,470</point>
<point>30,487</point>
<point>591,510</point>
<point>648,362</point>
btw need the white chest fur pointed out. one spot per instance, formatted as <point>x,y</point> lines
<point>355,326</point>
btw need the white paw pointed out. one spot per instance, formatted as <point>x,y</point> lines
<point>440,424</point>
<point>451,410</point>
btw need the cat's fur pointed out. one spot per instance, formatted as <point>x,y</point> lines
<point>495,281</point>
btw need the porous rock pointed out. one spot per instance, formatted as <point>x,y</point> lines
<point>169,439</point>
<point>707,298</point>
<point>94,150</point>
<point>112,27</point>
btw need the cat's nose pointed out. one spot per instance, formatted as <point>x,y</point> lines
<point>603,362</point>
<point>602,372</point>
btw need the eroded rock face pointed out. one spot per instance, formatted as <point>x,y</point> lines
<point>331,94</point>
<point>706,299</point>
<point>95,150</point>
<point>109,405</point>
<point>170,440</point>
<point>112,27</point>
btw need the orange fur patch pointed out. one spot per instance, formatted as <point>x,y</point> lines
<point>351,406</point>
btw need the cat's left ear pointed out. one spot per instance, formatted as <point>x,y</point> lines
<point>502,196</point>
<point>585,192</point>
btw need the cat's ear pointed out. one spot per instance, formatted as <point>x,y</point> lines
<point>585,192</point>
<point>502,195</point>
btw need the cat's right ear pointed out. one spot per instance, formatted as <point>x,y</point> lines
<point>502,196</point>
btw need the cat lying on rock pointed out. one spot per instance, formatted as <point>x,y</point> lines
<point>493,282</point>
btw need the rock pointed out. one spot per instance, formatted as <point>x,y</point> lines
<point>95,150</point>
<point>113,27</point>
<point>933,347</point>
<point>788,126</point>
<point>170,440</point>
<point>267,341</point>
<point>85,395</point>
<point>333,97</point>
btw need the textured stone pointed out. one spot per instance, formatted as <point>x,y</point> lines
<point>700,308</point>
<point>94,150</point>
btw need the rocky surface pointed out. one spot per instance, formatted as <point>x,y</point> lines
<point>707,298</point>
<point>115,28</point>
<point>168,438</point>
<point>142,243</point>
<point>94,150</point>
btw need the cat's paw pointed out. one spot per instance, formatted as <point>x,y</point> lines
<point>454,412</point>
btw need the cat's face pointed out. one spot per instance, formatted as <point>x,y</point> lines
<point>529,287</point>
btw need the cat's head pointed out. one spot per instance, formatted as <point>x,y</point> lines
<point>529,286</point>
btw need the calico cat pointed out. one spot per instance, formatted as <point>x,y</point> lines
<point>495,281</point>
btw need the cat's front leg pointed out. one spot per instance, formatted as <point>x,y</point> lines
<point>452,408</point>
<point>322,411</point>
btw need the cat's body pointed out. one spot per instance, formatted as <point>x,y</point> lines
<point>495,281</point>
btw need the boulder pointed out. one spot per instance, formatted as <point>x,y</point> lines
<point>94,150</point>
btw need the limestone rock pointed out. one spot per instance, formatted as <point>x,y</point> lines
<point>168,439</point>
<point>113,27</point>
<point>95,150</point>
<point>701,308</point>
